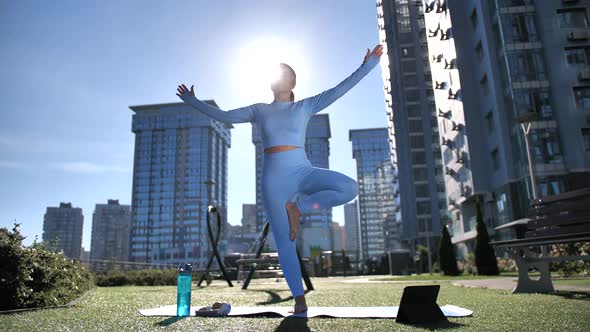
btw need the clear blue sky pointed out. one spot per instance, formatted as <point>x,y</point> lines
<point>71,69</point>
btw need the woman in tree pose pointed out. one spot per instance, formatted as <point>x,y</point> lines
<point>286,171</point>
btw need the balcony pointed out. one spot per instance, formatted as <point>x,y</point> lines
<point>447,142</point>
<point>451,64</point>
<point>430,7</point>
<point>465,190</point>
<point>578,35</point>
<point>584,74</point>
<point>441,6</point>
<point>454,95</point>
<point>450,171</point>
<point>457,126</point>
<point>446,114</point>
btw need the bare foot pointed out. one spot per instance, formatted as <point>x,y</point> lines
<point>300,305</point>
<point>294,214</point>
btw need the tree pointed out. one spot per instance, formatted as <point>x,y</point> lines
<point>446,254</point>
<point>485,258</point>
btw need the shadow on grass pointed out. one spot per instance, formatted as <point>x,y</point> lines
<point>443,325</point>
<point>293,324</point>
<point>275,298</point>
<point>572,295</point>
<point>169,321</point>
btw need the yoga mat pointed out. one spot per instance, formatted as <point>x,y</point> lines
<point>336,312</point>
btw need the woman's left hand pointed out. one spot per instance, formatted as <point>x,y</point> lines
<point>378,51</point>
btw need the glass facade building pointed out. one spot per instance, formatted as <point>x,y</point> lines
<point>379,213</point>
<point>180,167</point>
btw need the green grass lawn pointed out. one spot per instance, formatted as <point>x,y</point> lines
<point>115,309</point>
<point>573,282</point>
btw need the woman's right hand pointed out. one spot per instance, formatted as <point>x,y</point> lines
<point>184,92</point>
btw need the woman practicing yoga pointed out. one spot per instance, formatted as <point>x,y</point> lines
<point>286,171</point>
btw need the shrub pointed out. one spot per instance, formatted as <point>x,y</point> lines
<point>152,277</point>
<point>421,258</point>
<point>506,265</point>
<point>35,276</point>
<point>446,254</point>
<point>485,258</point>
<point>569,268</point>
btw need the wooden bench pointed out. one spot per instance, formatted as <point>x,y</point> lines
<point>556,219</point>
<point>267,265</point>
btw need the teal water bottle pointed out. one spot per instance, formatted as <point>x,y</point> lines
<point>183,299</point>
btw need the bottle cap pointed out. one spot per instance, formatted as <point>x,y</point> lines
<point>185,268</point>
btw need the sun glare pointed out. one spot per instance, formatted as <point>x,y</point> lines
<point>257,65</point>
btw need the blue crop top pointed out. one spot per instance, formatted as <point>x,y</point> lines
<point>284,122</point>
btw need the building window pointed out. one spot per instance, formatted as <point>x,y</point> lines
<point>545,145</point>
<point>582,96</point>
<point>415,126</point>
<point>586,138</point>
<point>526,66</point>
<point>423,207</point>
<point>418,157</point>
<point>422,190</point>
<point>550,186</point>
<point>408,51</point>
<point>473,18</point>
<point>417,142</point>
<point>420,173</point>
<point>412,95</point>
<point>510,3</point>
<point>577,55</point>
<point>479,50</point>
<point>520,28</point>
<point>408,66</point>
<point>403,15</point>
<point>572,18</point>
<point>495,161</point>
<point>534,100</point>
<point>414,110</point>
<point>490,121</point>
<point>483,83</point>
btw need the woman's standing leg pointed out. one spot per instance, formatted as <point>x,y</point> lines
<point>276,191</point>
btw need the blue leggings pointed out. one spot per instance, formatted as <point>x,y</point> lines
<point>289,174</point>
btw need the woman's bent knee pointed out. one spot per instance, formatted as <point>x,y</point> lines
<point>351,188</point>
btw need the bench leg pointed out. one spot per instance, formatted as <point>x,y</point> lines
<point>525,283</point>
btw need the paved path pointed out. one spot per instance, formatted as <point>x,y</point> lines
<point>503,283</point>
<point>508,283</point>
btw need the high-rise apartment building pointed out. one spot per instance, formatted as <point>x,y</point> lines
<point>351,225</point>
<point>180,167</point>
<point>500,69</point>
<point>64,224</point>
<point>412,122</point>
<point>111,224</point>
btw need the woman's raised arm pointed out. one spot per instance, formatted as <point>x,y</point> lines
<point>326,98</point>
<point>238,115</point>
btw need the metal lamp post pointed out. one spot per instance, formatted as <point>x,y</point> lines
<point>525,125</point>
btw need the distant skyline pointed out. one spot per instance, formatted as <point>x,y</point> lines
<point>71,70</point>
